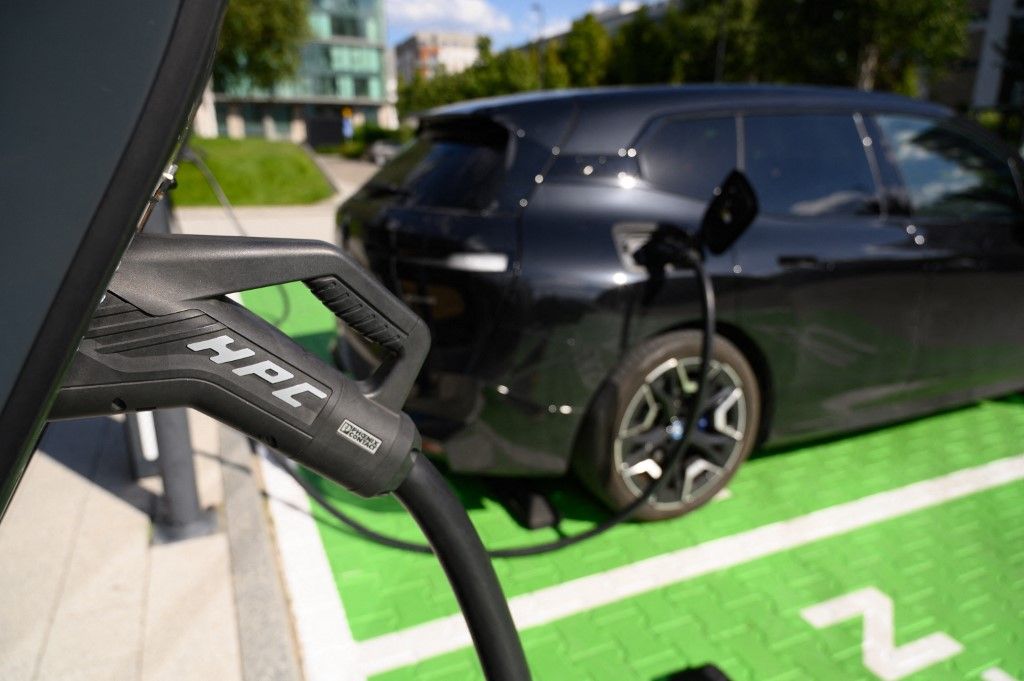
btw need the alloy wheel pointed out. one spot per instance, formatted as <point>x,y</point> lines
<point>656,418</point>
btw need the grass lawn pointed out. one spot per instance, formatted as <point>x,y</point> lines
<point>252,172</point>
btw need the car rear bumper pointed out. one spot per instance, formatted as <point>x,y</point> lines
<point>479,426</point>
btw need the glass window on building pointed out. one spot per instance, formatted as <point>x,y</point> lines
<point>252,114</point>
<point>320,24</point>
<point>316,58</point>
<point>361,86</point>
<point>282,115</point>
<point>339,57</point>
<point>222,119</point>
<point>345,86</point>
<point>370,29</point>
<point>323,85</point>
<point>347,26</point>
<point>354,59</point>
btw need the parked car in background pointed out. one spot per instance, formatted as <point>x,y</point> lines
<point>383,151</point>
<point>883,278</point>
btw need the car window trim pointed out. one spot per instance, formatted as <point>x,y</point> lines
<point>876,171</point>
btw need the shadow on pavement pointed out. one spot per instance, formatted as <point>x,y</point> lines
<point>96,449</point>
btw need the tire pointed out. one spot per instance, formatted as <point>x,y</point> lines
<point>628,428</point>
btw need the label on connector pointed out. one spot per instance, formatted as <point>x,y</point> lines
<point>364,439</point>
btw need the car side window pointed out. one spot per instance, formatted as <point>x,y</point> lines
<point>689,156</point>
<point>946,173</point>
<point>808,165</point>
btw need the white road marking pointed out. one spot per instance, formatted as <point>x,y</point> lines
<point>885,660</point>
<point>329,653</point>
<point>446,634</point>
<point>996,674</point>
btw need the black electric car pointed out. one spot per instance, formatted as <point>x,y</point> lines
<point>882,279</point>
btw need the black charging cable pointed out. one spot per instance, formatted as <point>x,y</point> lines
<point>431,502</point>
<point>436,509</point>
<point>673,249</point>
<point>453,540</point>
<point>707,299</point>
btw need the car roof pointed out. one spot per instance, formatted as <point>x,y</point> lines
<point>609,117</point>
<point>634,96</point>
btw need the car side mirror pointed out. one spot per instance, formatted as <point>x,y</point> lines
<point>731,210</point>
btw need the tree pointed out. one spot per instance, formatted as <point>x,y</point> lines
<point>585,52</point>
<point>260,42</point>
<point>642,51</point>
<point>865,43</point>
<point>553,73</point>
<point>711,40</point>
<point>492,74</point>
<point>516,72</point>
<point>902,41</point>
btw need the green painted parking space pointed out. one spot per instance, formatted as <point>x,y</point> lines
<point>955,567</point>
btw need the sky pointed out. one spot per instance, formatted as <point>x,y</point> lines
<point>508,22</point>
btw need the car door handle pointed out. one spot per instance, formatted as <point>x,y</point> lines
<point>799,262</point>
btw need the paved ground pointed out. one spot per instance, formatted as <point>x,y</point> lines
<point>84,593</point>
<point>896,553</point>
<point>344,174</point>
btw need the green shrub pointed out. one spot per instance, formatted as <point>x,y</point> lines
<point>363,137</point>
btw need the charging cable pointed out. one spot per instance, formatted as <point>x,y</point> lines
<point>683,254</point>
<point>674,458</point>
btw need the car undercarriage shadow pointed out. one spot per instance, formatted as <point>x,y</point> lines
<point>572,501</point>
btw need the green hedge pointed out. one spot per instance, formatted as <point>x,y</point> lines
<point>363,137</point>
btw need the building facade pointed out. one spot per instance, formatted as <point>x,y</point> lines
<point>345,72</point>
<point>991,75</point>
<point>429,53</point>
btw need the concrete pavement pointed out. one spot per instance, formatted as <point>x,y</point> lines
<point>85,594</point>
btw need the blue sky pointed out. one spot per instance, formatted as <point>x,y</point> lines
<point>508,22</point>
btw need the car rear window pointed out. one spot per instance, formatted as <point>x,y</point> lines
<point>452,165</point>
<point>808,165</point>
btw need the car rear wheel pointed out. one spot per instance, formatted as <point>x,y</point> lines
<point>643,409</point>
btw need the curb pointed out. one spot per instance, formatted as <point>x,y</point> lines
<point>265,634</point>
<point>311,153</point>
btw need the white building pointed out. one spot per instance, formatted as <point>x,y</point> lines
<point>428,53</point>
